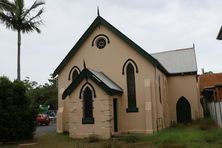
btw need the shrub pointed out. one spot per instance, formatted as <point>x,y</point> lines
<point>17,117</point>
<point>207,124</point>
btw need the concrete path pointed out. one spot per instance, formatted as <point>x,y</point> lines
<point>43,129</point>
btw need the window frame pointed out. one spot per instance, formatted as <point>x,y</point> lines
<point>160,93</point>
<point>88,108</point>
<point>131,89</point>
<point>76,74</point>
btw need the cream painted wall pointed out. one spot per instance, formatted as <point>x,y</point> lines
<point>184,85</point>
<point>110,60</point>
<point>102,113</point>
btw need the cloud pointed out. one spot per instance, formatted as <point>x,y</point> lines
<point>155,25</point>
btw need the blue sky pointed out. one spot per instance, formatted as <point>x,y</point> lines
<point>155,25</point>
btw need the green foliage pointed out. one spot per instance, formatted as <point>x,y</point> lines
<point>207,124</point>
<point>17,116</point>
<point>190,135</point>
<point>181,136</point>
<point>43,94</point>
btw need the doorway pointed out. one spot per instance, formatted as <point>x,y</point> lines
<point>183,110</point>
<point>115,115</point>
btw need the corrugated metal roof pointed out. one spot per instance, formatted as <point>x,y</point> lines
<point>102,77</point>
<point>178,61</point>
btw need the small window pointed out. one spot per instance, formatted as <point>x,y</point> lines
<point>159,89</point>
<point>75,74</point>
<point>101,43</point>
<point>131,88</point>
<point>87,107</point>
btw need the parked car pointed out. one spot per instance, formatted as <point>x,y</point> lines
<point>52,115</point>
<point>43,119</point>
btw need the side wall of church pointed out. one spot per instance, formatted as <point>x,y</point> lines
<point>184,86</point>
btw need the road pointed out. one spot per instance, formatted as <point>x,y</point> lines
<point>42,129</point>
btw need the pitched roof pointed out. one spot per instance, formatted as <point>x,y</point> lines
<point>210,80</point>
<point>102,77</point>
<point>178,61</point>
<point>104,82</point>
<point>100,21</point>
<point>219,36</point>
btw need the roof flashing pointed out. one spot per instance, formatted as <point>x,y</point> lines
<point>171,60</point>
<point>99,78</point>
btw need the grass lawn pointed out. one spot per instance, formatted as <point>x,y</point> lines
<point>201,134</point>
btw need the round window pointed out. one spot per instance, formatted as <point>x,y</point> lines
<point>100,43</point>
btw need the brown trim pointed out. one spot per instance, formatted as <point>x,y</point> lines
<point>86,74</point>
<point>108,41</point>
<point>100,21</point>
<point>183,73</point>
<point>89,85</point>
<point>72,69</point>
<point>219,36</point>
<point>126,63</point>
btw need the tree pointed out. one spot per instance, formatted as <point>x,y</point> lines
<point>43,94</point>
<point>17,115</point>
<point>16,17</point>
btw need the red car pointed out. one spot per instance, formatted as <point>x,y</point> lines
<point>43,119</point>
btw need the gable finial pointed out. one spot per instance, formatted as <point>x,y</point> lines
<point>98,10</point>
<point>84,64</point>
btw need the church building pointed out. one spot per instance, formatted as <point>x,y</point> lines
<point>108,85</point>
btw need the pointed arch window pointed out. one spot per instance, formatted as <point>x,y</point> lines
<point>131,88</point>
<point>87,106</point>
<point>160,95</point>
<point>75,74</point>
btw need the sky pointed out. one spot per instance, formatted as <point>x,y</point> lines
<point>155,25</point>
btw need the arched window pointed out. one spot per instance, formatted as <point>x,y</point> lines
<point>87,107</point>
<point>74,74</point>
<point>131,88</point>
<point>159,89</point>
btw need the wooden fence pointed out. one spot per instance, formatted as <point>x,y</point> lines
<point>215,109</point>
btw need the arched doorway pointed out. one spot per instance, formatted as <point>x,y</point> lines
<point>183,110</point>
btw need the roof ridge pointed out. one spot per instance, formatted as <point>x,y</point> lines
<point>98,21</point>
<point>180,49</point>
<point>218,73</point>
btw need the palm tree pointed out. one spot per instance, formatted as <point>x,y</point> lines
<point>16,17</point>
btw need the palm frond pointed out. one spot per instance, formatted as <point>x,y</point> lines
<point>37,15</point>
<point>16,17</point>
<point>31,26</point>
<point>19,8</point>
<point>8,21</point>
<point>19,3</point>
<point>36,4</point>
<point>6,5</point>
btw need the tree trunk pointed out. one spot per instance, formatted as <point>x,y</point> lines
<point>18,56</point>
